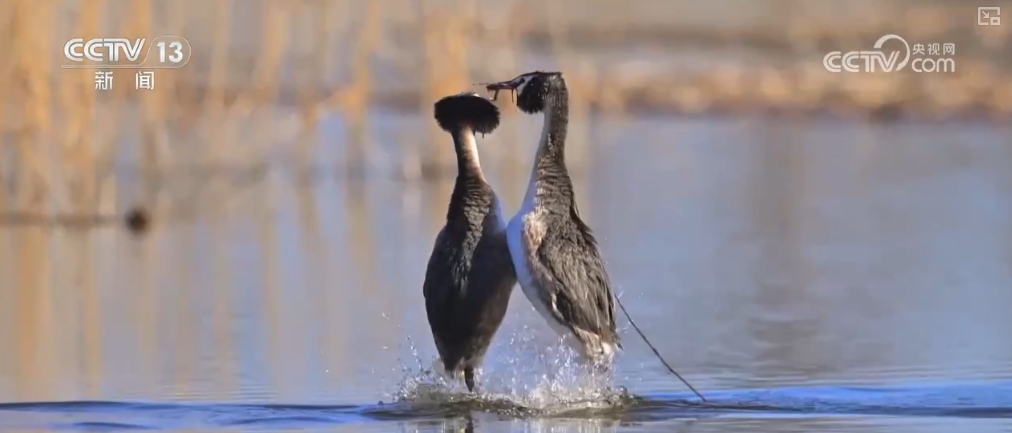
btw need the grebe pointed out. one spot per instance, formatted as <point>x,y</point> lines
<point>470,274</point>
<point>554,253</point>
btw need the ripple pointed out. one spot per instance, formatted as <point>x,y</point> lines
<point>992,400</point>
<point>102,426</point>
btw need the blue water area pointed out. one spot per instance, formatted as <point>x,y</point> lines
<point>968,400</point>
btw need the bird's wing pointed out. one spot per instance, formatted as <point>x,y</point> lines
<point>575,286</point>
<point>492,267</point>
<point>444,277</point>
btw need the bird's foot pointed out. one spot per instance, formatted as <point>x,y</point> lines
<point>602,367</point>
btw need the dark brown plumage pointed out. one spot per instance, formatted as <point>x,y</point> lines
<point>470,276</point>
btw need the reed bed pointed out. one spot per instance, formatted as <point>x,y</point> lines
<point>264,73</point>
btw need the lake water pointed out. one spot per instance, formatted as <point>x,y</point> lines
<point>804,275</point>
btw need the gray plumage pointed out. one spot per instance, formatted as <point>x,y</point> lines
<point>470,273</point>
<point>554,252</point>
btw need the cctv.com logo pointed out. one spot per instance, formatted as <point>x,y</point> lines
<point>877,59</point>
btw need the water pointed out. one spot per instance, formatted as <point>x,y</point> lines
<point>805,276</point>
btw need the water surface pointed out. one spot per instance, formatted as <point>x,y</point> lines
<point>806,276</point>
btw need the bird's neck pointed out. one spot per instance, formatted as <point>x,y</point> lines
<point>470,188</point>
<point>549,175</point>
<point>466,147</point>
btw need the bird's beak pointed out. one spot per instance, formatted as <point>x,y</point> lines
<point>504,85</point>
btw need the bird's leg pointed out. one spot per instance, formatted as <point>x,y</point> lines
<point>600,364</point>
<point>602,368</point>
<point>469,378</point>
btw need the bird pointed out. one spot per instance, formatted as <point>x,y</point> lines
<point>470,276</point>
<point>555,254</point>
<point>137,220</point>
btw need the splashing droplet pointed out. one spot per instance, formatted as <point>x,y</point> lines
<point>527,377</point>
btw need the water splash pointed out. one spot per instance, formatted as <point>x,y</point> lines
<point>524,375</point>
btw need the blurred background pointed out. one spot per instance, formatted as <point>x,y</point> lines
<point>768,221</point>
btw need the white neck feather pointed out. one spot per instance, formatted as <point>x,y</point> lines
<point>469,151</point>
<point>532,184</point>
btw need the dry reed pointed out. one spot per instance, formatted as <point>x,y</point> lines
<point>61,138</point>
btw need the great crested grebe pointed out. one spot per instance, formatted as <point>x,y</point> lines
<point>470,274</point>
<point>557,261</point>
<point>554,252</point>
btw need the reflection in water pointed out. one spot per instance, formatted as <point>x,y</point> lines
<point>32,316</point>
<point>468,424</point>
<point>755,253</point>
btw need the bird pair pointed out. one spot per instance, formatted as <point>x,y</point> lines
<point>545,247</point>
